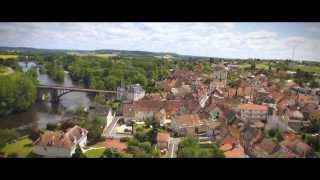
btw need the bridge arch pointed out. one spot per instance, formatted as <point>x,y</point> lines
<point>58,91</point>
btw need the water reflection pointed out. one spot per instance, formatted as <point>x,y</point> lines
<point>42,113</point>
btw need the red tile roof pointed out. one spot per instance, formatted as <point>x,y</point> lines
<point>61,140</point>
<point>163,137</point>
<point>187,120</point>
<point>253,107</point>
<point>235,153</point>
<point>113,144</point>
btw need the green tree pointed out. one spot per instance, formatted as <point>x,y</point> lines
<point>7,136</point>
<point>17,92</point>
<point>189,148</point>
<point>78,153</point>
<point>111,153</point>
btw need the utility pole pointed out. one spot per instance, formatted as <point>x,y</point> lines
<point>293,51</point>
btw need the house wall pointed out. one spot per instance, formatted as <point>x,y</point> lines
<point>220,75</point>
<point>48,151</point>
<point>182,130</point>
<point>141,116</point>
<point>275,122</point>
<point>83,141</point>
<point>258,115</point>
<point>135,96</point>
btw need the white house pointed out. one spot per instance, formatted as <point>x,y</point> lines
<point>59,144</point>
<point>133,92</point>
<point>109,117</point>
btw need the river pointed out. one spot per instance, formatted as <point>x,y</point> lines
<point>43,113</point>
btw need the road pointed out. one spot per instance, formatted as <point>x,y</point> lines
<point>173,147</point>
<point>74,89</point>
<point>107,131</point>
<point>111,131</point>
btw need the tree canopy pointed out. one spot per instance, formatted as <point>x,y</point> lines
<point>190,148</point>
<point>17,92</point>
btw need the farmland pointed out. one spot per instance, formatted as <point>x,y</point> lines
<point>305,68</point>
<point>8,56</point>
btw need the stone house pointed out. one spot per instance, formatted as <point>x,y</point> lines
<point>250,112</point>
<point>185,124</point>
<point>59,144</point>
<point>141,110</point>
<point>132,92</point>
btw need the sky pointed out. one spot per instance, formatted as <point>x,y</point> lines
<point>228,40</point>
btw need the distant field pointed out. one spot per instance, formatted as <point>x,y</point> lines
<point>306,68</point>
<point>243,66</point>
<point>262,66</point>
<point>8,56</point>
<point>105,55</point>
<point>258,66</point>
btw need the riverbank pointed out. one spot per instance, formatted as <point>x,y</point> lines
<point>42,113</point>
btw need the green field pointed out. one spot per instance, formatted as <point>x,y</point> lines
<point>244,65</point>
<point>22,147</point>
<point>8,56</point>
<point>258,65</point>
<point>305,68</point>
<point>95,153</point>
<point>104,55</point>
<point>262,66</point>
<point>5,70</point>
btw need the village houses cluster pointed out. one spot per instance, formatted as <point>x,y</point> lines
<point>236,118</point>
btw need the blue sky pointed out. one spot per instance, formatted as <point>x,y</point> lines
<point>230,40</point>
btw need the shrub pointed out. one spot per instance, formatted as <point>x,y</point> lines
<point>52,127</point>
<point>7,136</point>
<point>66,125</point>
<point>34,134</point>
<point>12,155</point>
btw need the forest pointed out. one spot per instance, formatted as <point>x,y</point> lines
<point>107,72</point>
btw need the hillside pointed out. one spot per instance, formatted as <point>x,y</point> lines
<point>123,53</point>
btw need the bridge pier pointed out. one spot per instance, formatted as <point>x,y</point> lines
<point>39,95</point>
<point>54,96</point>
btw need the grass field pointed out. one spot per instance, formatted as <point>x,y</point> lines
<point>306,68</point>
<point>94,153</point>
<point>8,56</point>
<point>22,147</point>
<point>5,70</point>
<point>262,66</point>
<point>104,55</point>
<point>258,65</point>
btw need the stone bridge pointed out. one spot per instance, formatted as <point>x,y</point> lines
<point>58,91</point>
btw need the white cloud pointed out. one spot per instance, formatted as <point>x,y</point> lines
<point>209,39</point>
<point>314,29</point>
